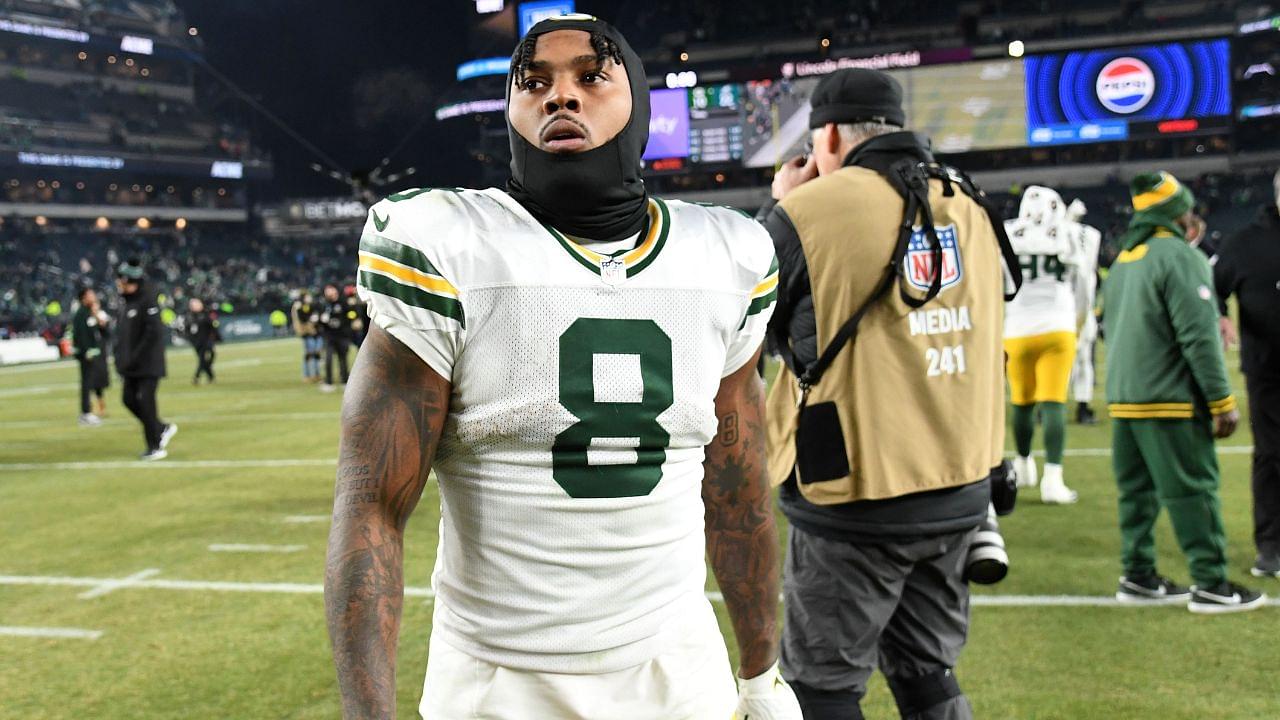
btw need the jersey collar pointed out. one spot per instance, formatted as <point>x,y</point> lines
<point>655,231</point>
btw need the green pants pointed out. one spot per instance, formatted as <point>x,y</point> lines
<point>1169,463</point>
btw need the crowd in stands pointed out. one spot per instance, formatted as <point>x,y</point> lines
<point>241,267</point>
<point>230,266</point>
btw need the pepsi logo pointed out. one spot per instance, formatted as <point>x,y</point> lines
<point>1126,85</point>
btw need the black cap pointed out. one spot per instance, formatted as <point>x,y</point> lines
<point>857,95</point>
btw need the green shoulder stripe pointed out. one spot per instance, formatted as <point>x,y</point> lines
<point>447,307</point>
<point>762,302</point>
<point>403,254</point>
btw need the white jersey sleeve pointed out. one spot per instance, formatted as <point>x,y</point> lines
<point>404,280</point>
<point>754,252</point>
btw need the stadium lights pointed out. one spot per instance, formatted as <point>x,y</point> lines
<point>180,223</point>
<point>144,224</point>
<point>83,55</point>
<point>42,220</point>
<point>1016,49</point>
<point>192,31</point>
<point>826,42</point>
<point>102,223</point>
<point>684,56</point>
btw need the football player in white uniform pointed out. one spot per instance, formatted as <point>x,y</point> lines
<point>576,361</point>
<point>1082,375</point>
<point>1040,330</point>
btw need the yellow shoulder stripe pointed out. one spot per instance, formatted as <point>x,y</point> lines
<point>408,275</point>
<point>765,286</point>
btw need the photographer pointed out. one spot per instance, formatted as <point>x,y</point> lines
<point>202,332</point>
<point>889,415</point>
<point>337,320</point>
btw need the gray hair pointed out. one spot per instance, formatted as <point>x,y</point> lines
<point>858,133</point>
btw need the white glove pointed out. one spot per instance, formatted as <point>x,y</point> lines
<point>766,697</point>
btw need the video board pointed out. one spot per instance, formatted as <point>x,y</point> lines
<point>1049,99</point>
<point>1129,92</point>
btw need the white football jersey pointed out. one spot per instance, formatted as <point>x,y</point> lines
<point>1048,250</point>
<point>570,468</point>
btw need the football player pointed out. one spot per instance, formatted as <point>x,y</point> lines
<point>576,362</point>
<point>1089,240</point>
<point>1040,334</point>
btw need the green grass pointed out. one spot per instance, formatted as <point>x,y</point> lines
<point>186,654</point>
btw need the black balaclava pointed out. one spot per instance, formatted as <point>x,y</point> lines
<point>596,194</point>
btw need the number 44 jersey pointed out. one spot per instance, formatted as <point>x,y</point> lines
<point>570,469</point>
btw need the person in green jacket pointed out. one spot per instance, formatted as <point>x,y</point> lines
<point>1169,398</point>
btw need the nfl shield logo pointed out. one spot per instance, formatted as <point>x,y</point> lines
<point>919,259</point>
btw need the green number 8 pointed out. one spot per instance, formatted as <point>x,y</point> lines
<point>579,345</point>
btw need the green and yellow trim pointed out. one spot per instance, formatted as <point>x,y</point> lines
<point>401,272</point>
<point>1225,405</point>
<point>765,292</point>
<point>1132,255</point>
<point>1149,411</point>
<point>657,227</point>
<point>1165,189</point>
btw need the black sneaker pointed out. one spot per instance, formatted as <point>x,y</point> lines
<point>1084,414</point>
<point>1266,565</point>
<point>1153,590</point>
<point>1225,597</point>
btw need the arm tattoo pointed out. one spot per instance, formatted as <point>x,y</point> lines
<point>742,539</point>
<point>729,429</point>
<point>392,416</point>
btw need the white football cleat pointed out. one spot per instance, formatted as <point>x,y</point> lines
<point>1053,490</point>
<point>1024,469</point>
<point>90,420</point>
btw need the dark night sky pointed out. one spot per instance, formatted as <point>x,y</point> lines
<point>351,77</point>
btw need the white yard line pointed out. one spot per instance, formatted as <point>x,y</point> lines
<point>422,592</point>
<point>113,585</point>
<point>303,519</point>
<point>50,632</point>
<point>170,464</point>
<point>251,548</point>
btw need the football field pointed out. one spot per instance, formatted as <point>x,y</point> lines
<point>191,587</point>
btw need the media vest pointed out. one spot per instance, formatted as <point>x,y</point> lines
<point>915,402</point>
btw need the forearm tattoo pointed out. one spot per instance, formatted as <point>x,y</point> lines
<point>742,539</point>
<point>391,419</point>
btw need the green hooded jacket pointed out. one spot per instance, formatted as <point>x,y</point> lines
<point>1164,354</point>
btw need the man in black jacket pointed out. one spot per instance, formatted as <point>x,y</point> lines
<point>201,327</point>
<point>1248,266</point>
<point>139,354</point>
<point>337,321</point>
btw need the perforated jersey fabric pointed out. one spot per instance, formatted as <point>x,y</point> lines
<point>570,468</point>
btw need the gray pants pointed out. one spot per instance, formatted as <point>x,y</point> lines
<point>902,608</point>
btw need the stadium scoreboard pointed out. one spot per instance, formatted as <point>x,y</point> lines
<point>1059,98</point>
